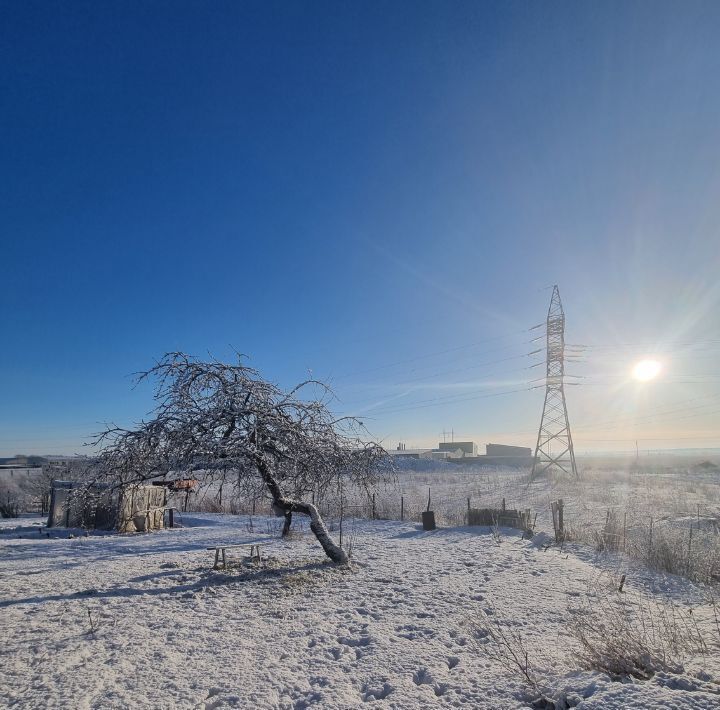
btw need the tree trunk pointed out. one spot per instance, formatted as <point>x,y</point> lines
<point>288,523</point>
<point>317,525</point>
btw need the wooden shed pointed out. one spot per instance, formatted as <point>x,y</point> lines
<point>132,508</point>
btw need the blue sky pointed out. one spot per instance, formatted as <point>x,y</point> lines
<point>379,193</point>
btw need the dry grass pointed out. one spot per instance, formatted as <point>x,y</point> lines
<point>627,635</point>
<point>503,643</point>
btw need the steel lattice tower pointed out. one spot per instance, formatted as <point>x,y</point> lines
<point>555,425</point>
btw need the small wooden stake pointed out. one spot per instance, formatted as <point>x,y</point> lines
<point>625,531</point>
<point>561,522</point>
<point>651,527</point>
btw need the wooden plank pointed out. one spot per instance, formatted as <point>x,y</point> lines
<point>490,517</point>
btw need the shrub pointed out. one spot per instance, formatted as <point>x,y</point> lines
<point>9,509</point>
<point>630,636</point>
<point>505,644</point>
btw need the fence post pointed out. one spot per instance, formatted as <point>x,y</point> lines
<point>172,517</point>
<point>468,515</point>
<point>503,505</point>
<point>373,507</point>
<point>341,515</point>
<point>687,569</point>
<point>625,531</point>
<point>561,522</point>
<point>651,528</point>
<point>402,508</point>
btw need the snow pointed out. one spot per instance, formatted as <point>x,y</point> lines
<point>143,620</point>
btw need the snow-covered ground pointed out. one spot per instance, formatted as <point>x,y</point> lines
<point>143,621</point>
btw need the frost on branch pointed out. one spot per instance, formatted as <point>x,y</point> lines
<point>228,424</point>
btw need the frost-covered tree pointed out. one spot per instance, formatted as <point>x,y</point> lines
<point>225,422</point>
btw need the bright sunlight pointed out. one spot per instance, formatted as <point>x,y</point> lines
<point>646,370</point>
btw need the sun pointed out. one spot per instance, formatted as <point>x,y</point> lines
<point>646,370</point>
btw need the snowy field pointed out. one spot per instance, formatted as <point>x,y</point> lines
<point>143,621</point>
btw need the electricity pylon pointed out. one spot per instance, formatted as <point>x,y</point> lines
<point>555,425</point>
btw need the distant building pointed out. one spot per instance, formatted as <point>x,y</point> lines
<point>402,452</point>
<point>466,452</point>
<point>458,449</point>
<point>503,450</point>
<point>503,455</point>
<point>410,453</point>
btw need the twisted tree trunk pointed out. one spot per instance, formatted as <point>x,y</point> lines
<point>290,506</point>
<point>287,523</point>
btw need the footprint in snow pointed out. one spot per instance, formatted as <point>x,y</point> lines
<point>371,693</point>
<point>362,641</point>
<point>412,632</point>
<point>422,676</point>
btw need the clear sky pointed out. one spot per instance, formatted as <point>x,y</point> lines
<point>379,193</point>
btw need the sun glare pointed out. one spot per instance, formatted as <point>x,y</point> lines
<point>646,370</point>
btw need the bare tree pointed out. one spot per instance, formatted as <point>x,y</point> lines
<point>39,484</point>
<point>228,424</point>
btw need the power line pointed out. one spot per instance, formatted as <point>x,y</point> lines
<point>434,402</point>
<point>353,404</point>
<point>435,354</point>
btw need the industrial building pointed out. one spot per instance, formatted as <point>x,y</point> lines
<point>503,455</point>
<point>459,449</point>
<point>466,452</point>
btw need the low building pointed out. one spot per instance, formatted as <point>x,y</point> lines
<point>402,452</point>
<point>466,452</point>
<point>133,508</point>
<point>504,450</point>
<point>500,455</point>
<point>459,449</point>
